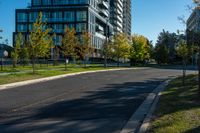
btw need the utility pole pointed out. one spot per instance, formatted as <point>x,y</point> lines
<point>1,53</point>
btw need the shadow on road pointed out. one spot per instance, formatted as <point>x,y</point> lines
<point>105,110</point>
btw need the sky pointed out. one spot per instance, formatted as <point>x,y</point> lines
<point>149,17</point>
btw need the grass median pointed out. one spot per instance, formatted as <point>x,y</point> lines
<point>16,77</point>
<point>178,109</point>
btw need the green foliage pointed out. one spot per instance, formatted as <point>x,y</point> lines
<point>161,54</point>
<point>15,53</point>
<point>168,41</point>
<point>121,46</point>
<point>40,40</point>
<point>140,49</point>
<point>24,54</point>
<point>107,49</point>
<point>86,48</point>
<point>69,42</point>
<point>182,50</point>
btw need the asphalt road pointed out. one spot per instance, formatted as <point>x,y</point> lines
<point>89,103</point>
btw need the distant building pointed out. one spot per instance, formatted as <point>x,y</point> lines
<point>193,22</point>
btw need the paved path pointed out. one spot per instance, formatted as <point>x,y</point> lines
<point>89,103</point>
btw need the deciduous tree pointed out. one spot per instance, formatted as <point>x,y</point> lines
<point>40,40</point>
<point>69,43</point>
<point>16,52</point>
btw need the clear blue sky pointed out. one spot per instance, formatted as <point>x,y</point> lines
<point>149,17</point>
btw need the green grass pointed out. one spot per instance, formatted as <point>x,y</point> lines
<point>14,77</point>
<point>19,68</point>
<point>179,108</point>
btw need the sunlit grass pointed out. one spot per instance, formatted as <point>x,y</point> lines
<point>179,108</point>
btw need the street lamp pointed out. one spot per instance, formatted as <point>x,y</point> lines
<point>106,43</point>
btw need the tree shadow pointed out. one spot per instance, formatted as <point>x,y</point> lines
<point>105,110</point>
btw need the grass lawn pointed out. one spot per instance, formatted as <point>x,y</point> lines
<point>178,109</point>
<point>40,67</point>
<point>11,78</point>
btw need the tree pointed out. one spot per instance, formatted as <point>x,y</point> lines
<point>140,49</point>
<point>161,54</point>
<point>169,40</point>
<point>107,51</point>
<point>86,48</point>
<point>121,47</point>
<point>182,51</point>
<point>24,54</point>
<point>40,40</point>
<point>15,53</point>
<point>69,43</point>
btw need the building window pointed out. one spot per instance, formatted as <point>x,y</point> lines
<point>57,16</point>
<point>21,17</point>
<point>69,16</point>
<point>58,28</point>
<point>70,26</point>
<point>80,27</point>
<point>36,2</point>
<point>81,16</point>
<point>33,16</point>
<point>21,28</point>
<point>46,2</point>
<point>57,40</point>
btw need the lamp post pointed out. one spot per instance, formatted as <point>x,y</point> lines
<point>106,44</point>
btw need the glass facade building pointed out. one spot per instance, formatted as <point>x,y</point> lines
<point>99,17</point>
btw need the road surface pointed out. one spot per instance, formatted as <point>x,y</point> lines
<point>99,102</point>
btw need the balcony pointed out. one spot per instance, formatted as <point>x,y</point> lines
<point>104,5</point>
<point>104,13</point>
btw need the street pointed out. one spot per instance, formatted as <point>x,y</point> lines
<point>99,102</point>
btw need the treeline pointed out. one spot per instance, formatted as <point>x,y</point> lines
<point>166,48</point>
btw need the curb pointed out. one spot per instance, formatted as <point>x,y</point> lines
<point>28,82</point>
<point>140,120</point>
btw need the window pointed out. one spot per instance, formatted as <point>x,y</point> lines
<point>21,28</point>
<point>69,16</point>
<point>80,27</point>
<point>21,17</point>
<point>46,2</point>
<point>81,16</point>
<point>33,16</point>
<point>57,40</point>
<point>69,26</point>
<point>36,2</point>
<point>58,28</point>
<point>57,16</point>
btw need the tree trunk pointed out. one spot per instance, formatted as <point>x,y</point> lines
<point>184,72</point>
<point>65,64</point>
<point>117,61</point>
<point>199,72</point>
<point>33,65</point>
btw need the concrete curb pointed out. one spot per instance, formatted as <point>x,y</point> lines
<point>28,82</point>
<point>139,121</point>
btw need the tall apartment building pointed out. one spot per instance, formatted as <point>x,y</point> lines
<point>193,22</point>
<point>120,16</point>
<point>127,17</point>
<point>99,17</point>
<point>83,15</point>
